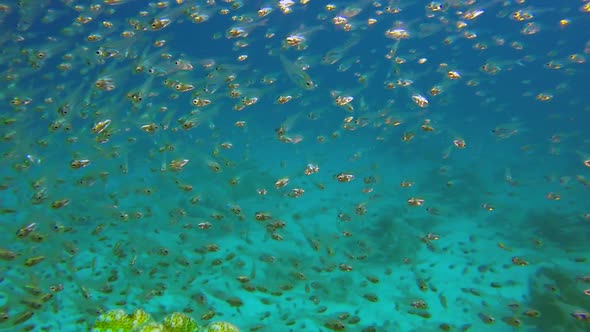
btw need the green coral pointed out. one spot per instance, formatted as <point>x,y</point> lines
<point>140,321</point>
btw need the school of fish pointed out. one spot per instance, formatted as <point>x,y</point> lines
<point>296,165</point>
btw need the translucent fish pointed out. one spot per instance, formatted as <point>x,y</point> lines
<point>29,11</point>
<point>336,54</point>
<point>297,75</point>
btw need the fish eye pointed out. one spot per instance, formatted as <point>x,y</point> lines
<point>40,55</point>
<point>4,317</point>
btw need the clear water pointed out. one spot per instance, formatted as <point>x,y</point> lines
<point>474,207</point>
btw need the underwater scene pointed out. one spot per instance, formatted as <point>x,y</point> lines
<point>295,165</point>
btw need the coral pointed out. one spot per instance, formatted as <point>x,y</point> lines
<point>118,320</point>
<point>152,327</point>
<point>221,327</point>
<point>140,321</point>
<point>179,322</point>
<point>139,317</point>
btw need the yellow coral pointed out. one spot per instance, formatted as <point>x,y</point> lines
<point>221,326</point>
<point>152,327</point>
<point>118,321</point>
<point>139,317</point>
<point>140,321</point>
<point>113,320</point>
<point>179,322</point>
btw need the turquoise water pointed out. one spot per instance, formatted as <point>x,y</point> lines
<point>353,165</point>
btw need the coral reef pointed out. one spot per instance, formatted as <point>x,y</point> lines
<point>140,321</point>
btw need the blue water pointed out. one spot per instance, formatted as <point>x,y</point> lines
<point>501,233</point>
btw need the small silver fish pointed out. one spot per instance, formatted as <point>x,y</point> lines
<point>297,74</point>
